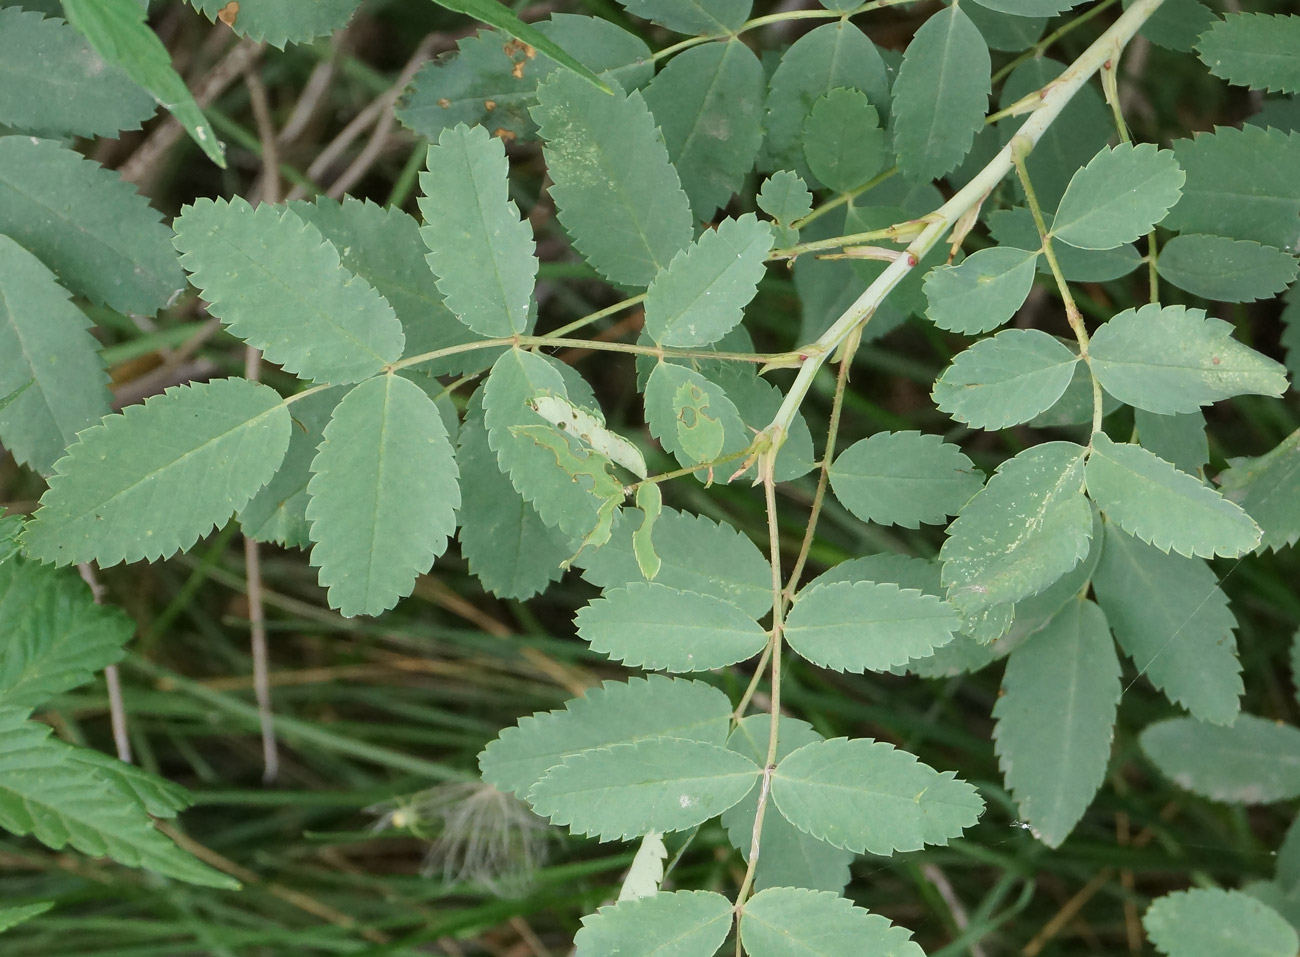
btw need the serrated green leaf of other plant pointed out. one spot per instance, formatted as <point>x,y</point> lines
<point>1120,195</point>
<point>285,21</point>
<point>680,923</point>
<point>981,293</point>
<point>383,495</point>
<point>867,626</point>
<point>1174,359</point>
<point>783,921</point>
<point>866,796</point>
<point>1056,719</point>
<point>280,286</point>
<point>616,712</point>
<point>904,478</point>
<point>843,140</point>
<point>652,625</point>
<point>183,462</point>
<point>13,916</point>
<point>613,186</point>
<point>659,784</point>
<point>158,796</point>
<point>56,637</point>
<point>90,228</point>
<point>479,248</point>
<point>44,339</point>
<point>1170,616</point>
<point>1229,270</point>
<point>1268,488</point>
<point>1252,761</point>
<point>708,102</point>
<point>1153,501</point>
<point>1254,50</point>
<point>1209,922</point>
<point>1006,379</point>
<point>941,94</point>
<point>1025,529</point>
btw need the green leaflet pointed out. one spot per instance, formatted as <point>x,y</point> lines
<point>1179,439</point>
<point>615,713</point>
<point>792,920</point>
<point>1207,921</point>
<point>62,802</point>
<point>708,102</point>
<point>1291,332</point>
<point>659,784</point>
<point>118,32</point>
<point>865,796</point>
<point>10,528</point>
<point>509,549</point>
<point>693,17</point>
<point>785,197</point>
<point>1075,406</point>
<point>702,294</point>
<point>758,400</point>
<point>867,626</point>
<point>1015,227</point>
<point>56,637</point>
<point>651,625</point>
<point>13,916</point>
<point>831,56</point>
<point>1174,359</point>
<point>1177,24</point>
<point>1239,185</point>
<point>480,250</point>
<point>1251,761</point>
<point>383,495</point>
<point>1025,529</point>
<point>789,856</point>
<point>1054,757</point>
<point>1268,489</point>
<point>647,870</point>
<point>1029,8</point>
<point>696,553</point>
<point>285,21</point>
<point>1153,501</point>
<point>1009,34</point>
<point>1120,195</point>
<point>651,503</point>
<point>843,141</point>
<point>1230,270</point>
<point>690,416</point>
<point>185,460</point>
<point>941,94</point>
<point>1005,380</point>
<point>613,187</point>
<point>44,339</point>
<point>1254,50</point>
<point>688,922</point>
<point>904,478</point>
<point>1170,616</point>
<point>279,285</point>
<point>91,229</point>
<point>52,83</point>
<point>983,292</point>
<point>492,82</point>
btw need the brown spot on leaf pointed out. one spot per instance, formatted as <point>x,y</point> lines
<point>228,13</point>
<point>507,136</point>
<point>489,105</point>
<point>444,103</point>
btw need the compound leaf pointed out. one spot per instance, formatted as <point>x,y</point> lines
<point>384,494</point>
<point>1251,761</point>
<point>1006,379</point>
<point>90,228</point>
<point>659,784</point>
<point>681,922</point>
<point>183,462</point>
<point>701,295</point>
<point>780,921</point>
<point>1170,616</point>
<point>1120,195</point>
<point>1207,921</point>
<point>708,102</point>
<point>1056,718</point>
<point>941,94</point>
<point>843,141</point>
<point>1025,529</point>
<point>1164,507</point>
<point>52,83</point>
<point>904,478</point>
<point>981,293</point>
<point>866,796</point>
<point>613,187</point>
<point>616,712</point>
<point>693,17</point>
<point>867,626</point>
<point>1254,50</point>
<point>44,340</point>
<point>279,285</point>
<point>1268,488</point>
<point>285,21</point>
<point>1229,270</point>
<point>1174,359</point>
<point>479,248</point>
